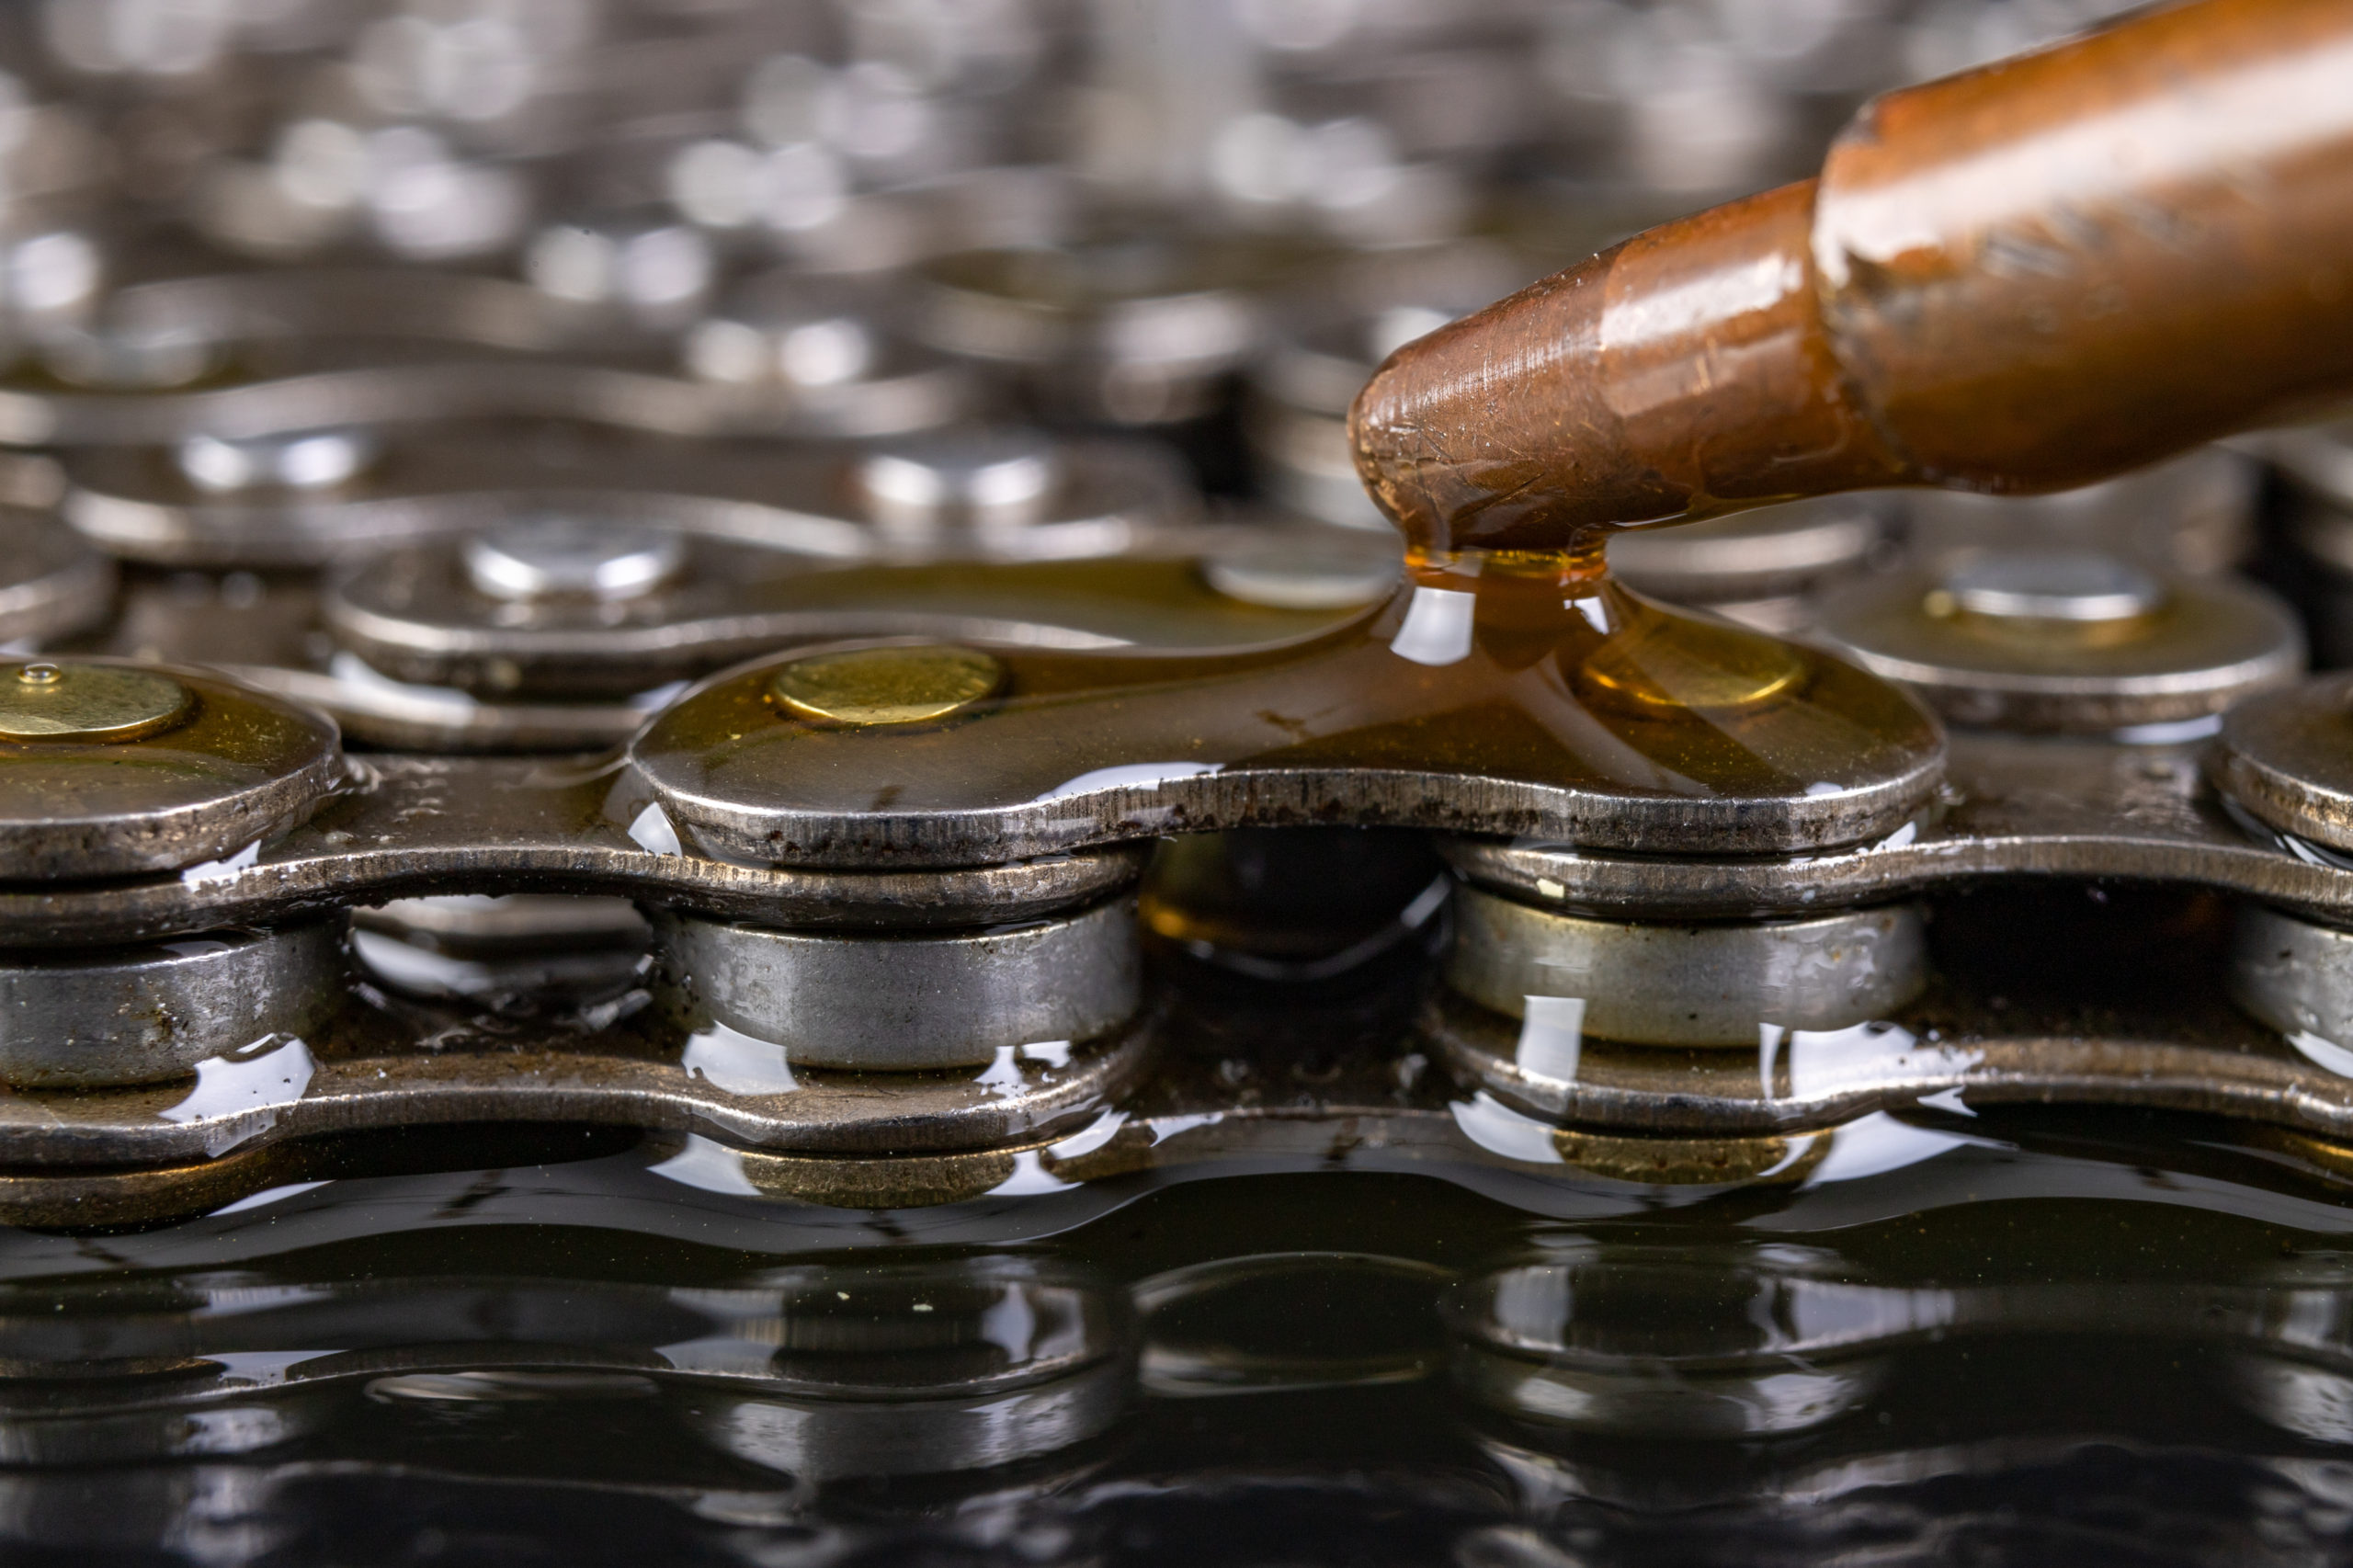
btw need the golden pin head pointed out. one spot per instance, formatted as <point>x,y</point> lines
<point>41,700</point>
<point>886,686</point>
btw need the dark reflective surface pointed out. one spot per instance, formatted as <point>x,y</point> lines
<point>2035,1337</point>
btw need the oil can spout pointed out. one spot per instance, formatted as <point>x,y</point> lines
<point>2020,279</point>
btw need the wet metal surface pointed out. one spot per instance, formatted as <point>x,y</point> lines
<point>2044,1339</point>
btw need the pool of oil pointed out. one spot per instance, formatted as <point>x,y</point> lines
<point>2062,1337</point>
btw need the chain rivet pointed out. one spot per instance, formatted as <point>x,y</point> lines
<point>886,686</point>
<point>89,702</point>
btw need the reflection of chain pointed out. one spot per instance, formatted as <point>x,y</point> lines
<point>938,1366</point>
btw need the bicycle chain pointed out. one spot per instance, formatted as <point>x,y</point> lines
<point>904,914</point>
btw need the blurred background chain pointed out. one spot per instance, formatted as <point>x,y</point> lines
<point>289,282</point>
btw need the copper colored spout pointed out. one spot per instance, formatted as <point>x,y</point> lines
<point>2020,279</point>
